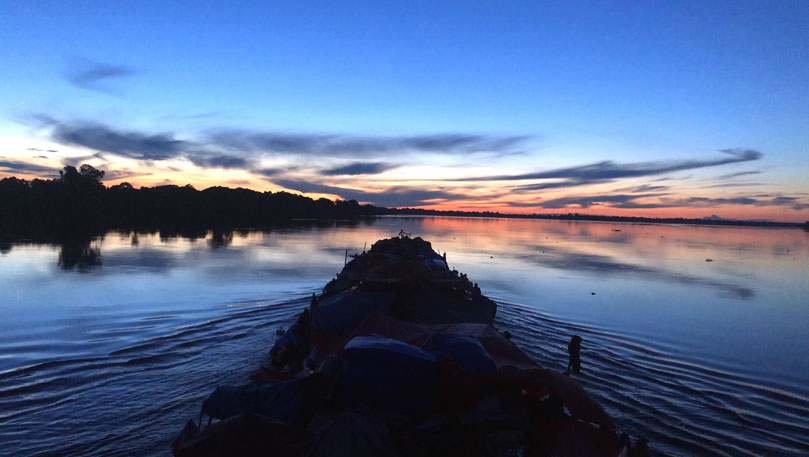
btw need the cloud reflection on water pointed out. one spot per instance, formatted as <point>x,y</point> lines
<point>551,257</point>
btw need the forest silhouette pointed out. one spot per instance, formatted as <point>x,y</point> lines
<point>78,201</point>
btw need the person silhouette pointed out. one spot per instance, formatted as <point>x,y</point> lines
<point>641,449</point>
<point>574,351</point>
<point>313,305</point>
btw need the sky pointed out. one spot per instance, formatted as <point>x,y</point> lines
<point>659,109</point>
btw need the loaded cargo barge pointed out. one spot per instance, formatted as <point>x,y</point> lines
<point>398,356</point>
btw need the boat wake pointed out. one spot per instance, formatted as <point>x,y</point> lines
<point>682,407</point>
<point>129,400</point>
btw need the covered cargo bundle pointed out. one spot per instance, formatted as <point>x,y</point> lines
<point>386,375</point>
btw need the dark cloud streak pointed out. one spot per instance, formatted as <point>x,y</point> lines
<point>630,201</point>
<point>88,74</point>
<point>313,144</point>
<point>616,201</point>
<point>114,175</point>
<point>392,197</point>
<point>359,168</point>
<point>219,161</point>
<point>25,167</point>
<point>243,148</point>
<point>736,175</point>
<point>643,188</point>
<point>130,144</point>
<point>558,184</point>
<point>608,170</point>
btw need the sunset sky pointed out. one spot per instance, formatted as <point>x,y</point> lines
<point>640,108</point>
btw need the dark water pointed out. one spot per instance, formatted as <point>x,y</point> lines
<point>107,347</point>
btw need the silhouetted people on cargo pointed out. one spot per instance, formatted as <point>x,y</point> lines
<point>313,305</point>
<point>574,351</point>
<point>293,346</point>
<point>641,449</point>
<point>623,441</point>
<point>302,335</point>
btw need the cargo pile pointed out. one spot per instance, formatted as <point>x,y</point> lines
<point>398,357</point>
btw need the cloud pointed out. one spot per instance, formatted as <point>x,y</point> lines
<point>114,175</point>
<point>90,75</point>
<point>329,145</point>
<point>269,172</point>
<point>232,148</point>
<point>392,197</point>
<point>630,201</point>
<point>557,184</point>
<point>643,188</point>
<point>608,170</point>
<point>752,200</point>
<point>76,161</point>
<point>139,145</point>
<point>736,175</point>
<point>125,143</point>
<point>733,184</point>
<point>671,178</point>
<point>524,205</point>
<point>585,182</point>
<point>705,201</point>
<point>403,196</point>
<point>310,187</point>
<point>794,202</point>
<point>248,150</point>
<point>359,168</point>
<point>109,175</point>
<point>615,201</point>
<point>206,160</point>
<point>12,166</point>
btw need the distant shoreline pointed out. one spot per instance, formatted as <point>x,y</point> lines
<point>597,218</point>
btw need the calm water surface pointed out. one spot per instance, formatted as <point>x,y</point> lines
<point>107,347</point>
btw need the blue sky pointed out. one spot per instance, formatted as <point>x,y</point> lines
<point>541,86</point>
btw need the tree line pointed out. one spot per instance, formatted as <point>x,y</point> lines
<point>79,201</point>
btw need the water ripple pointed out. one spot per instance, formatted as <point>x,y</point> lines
<point>684,407</point>
<point>133,400</point>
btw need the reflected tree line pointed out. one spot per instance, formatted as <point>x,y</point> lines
<point>79,255</point>
<point>82,252</point>
<point>76,208</point>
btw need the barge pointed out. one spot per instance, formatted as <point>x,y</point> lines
<point>398,356</point>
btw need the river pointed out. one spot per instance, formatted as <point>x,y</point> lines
<point>695,337</point>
